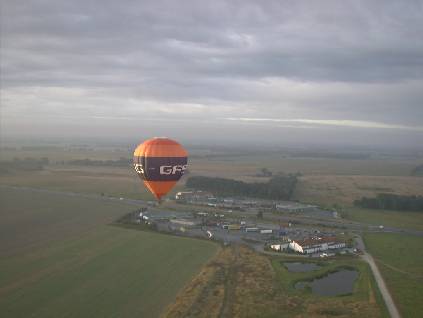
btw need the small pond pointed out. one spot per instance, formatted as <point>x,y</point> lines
<point>333,284</point>
<point>298,267</point>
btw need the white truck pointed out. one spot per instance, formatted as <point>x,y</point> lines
<point>265,231</point>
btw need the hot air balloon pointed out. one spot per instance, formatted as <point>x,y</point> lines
<point>160,162</point>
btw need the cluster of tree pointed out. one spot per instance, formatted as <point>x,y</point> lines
<point>27,164</point>
<point>331,155</point>
<point>392,202</point>
<point>280,187</point>
<point>7,148</point>
<point>264,172</point>
<point>32,148</point>
<point>417,171</point>
<point>121,162</point>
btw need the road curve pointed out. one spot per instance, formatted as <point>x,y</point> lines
<point>392,308</point>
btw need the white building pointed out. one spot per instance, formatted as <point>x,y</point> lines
<point>296,247</point>
<point>279,247</point>
<point>295,207</point>
<point>182,222</point>
<point>316,244</point>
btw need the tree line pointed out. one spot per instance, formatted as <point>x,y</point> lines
<point>417,171</point>
<point>121,162</point>
<point>27,164</point>
<point>280,187</point>
<point>388,201</point>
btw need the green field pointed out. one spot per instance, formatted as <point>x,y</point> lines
<point>109,181</point>
<point>400,260</point>
<point>365,296</point>
<point>60,259</point>
<point>60,153</point>
<point>249,163</point>
<point>399,219</point>
<point>110,272</point>
<point>31,218</point>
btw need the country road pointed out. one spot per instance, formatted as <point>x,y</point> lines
<point>77,194</point>
<point>392,308</point>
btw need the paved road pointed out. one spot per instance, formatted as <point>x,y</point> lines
<point>343,224</point>
<point>340,223</point>
<point>392,308</point>
<point>329,222</point>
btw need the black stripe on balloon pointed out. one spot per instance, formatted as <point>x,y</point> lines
<point>160,168</point>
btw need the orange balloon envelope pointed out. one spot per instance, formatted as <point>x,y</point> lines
<point>160,162</point>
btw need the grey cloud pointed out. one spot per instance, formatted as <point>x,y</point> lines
<point>352,42</point>
<point>349,60</point>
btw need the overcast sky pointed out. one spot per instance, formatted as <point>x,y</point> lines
<point>329,72</point>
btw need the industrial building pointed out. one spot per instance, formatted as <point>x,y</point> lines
<point>195,196</point>
<point>309,245</point>
<point>295,207</point>
<point>183,222</point>
<point>280,247</point>
<point>316,244</point>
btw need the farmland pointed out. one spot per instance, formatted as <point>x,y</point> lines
<point>400,258</point>
<point>59,258</point>
<point>343,190</point>
<point>109,181</point>
<point>400,219</point>
<point>326,181</point>
<point>245,165</point>
<point>32,219</point>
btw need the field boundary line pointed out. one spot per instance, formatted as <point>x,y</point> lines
<point>396,269</point>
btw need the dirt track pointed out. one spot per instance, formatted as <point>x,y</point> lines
<point>392,308</point>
